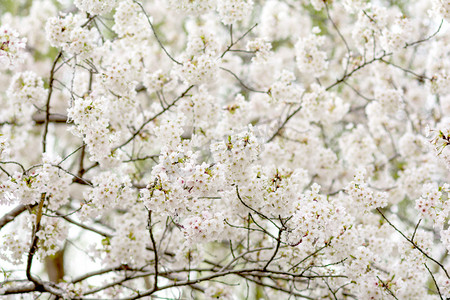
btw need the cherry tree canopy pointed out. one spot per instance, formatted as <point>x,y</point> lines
<point>224,149</point>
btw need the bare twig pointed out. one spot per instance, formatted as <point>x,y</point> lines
<point>232,43</point>
<point>152,238</point>
<point>154,33</point>
<point>434,280</point>
<point>47,105</point>
<point>10,216</point>
<point>414,244</point>
<point>153,118</point>
<point>34,240</point>
<point>242,83</point>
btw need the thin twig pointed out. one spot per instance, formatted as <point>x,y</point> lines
<point>242,83</point>
<point>284,123</point>
<point>34,240</point>
<point>10,216</point>
<point>434,280</point>
<point>232,43</point>
<point>150,229</point>
<point>154,33</point>
<point>47,106</point>
<point>414,244</point>
<point>276,249</point>
<point>254,210</point>
<point>153,118</point>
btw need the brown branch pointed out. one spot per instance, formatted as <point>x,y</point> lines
<point>435,283</point>
<point>100,272</point>
<point>52,118</point>
<point>28,287</point>
<point>34,240</point>
<point>86,227</point>
<point>150,229</point>
<point>47,106</point>
<point>280,231</point>
<point>230,272</point>
<point>10,216</point>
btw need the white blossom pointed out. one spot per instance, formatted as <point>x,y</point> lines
<point>95,7</point>
<point>310,59</point>
<point>159,148</point>
<point>12,47</point>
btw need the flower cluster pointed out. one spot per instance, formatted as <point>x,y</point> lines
<point>12,47</point>
<point>52,233</point>
<point>329,220</point>
<point>236,155</point>
<point>67,31</point>
<point>440,141</point>
<point>232,11</point>
<point>14,247</point>
<point>91,124</point>
<point>27,87</point>
<point>198,69</point>
<point>116,80</point>
<point>261,49</point>
<point>203,228</point>
<point>285,88</point>
<point>28,188</point>
<point>110,191</point>
<point>310,59</point>
<point>127,246</point>
<point>95,7</point>
<point>193,6</point>
<point>322,106</point>
<point>129,20</point>
<point>363,195</point>
<point>180,185</point>
<point>434,204</point>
